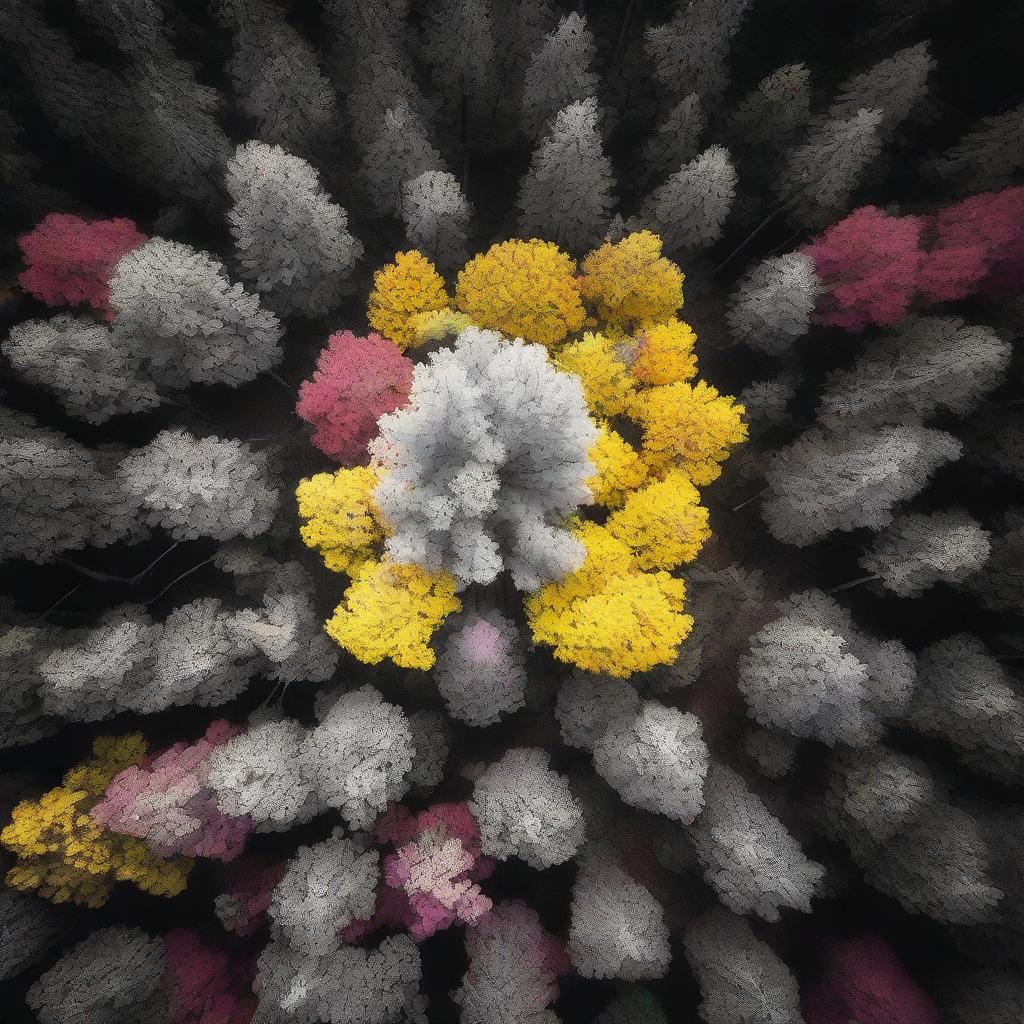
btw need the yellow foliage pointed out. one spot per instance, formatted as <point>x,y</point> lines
<point>608,616</point>
<point>401,290</point>
<point>607,384</point>
<point>663,525</point>
<point>437,324</point>
<point>523,289</point>
<point>341,517</point>
<point>619,468</point>
<point>65,856</point>
<point>664,353</point>
<point>391,611</point>
<point>630,281</point>
<point>688,428</point>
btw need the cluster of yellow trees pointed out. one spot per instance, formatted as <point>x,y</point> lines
<point>613,322</point>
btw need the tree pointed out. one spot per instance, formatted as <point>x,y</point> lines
<point>676,139</point>
<point>560,73</point>
<point>30,928</point>
<point>820,175</point>
<point>918,551</point>
<point>195,487</point>
<point>409,286</point>
<point>291,241</point>
<point>93,372</point>
<point>489,453</point>
<point>741,978</point>
<point>895,86</point>
<point>749,858</point>
<point>436,215</point>
<point>481,673</point>
<point>587,705</point>
<point>689,210</point>
<point>656,760</point>
<point>177,307</point>
<point>617,928</point>
<point>565,195</point>
<point>774,301</point>
<point>525,810</point>
<point>204,980</point>
<point>986,156</point>
<point>69,260</point>
<point>928,364</point>
<point>355,382</point>
<point>1000,585</point>
<point>848,478</point>
<point>773,112</point>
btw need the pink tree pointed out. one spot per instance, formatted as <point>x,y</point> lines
<point>242,906</point>
<point>70,261</point>
<point>166,801</point>
<point>355,382</point>
<point>863,981</point>
<point>206,985</point>
<point>430,880</point>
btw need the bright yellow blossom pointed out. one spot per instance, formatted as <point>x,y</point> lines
<point>607,384</point>
<point>341,520</point>
<point>401,290</point>
<point>619,468</point>
<point>664,353</point>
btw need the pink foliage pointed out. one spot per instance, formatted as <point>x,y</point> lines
<point>430,881</point>
<point>69,260</point>
<point>205,984</point>
<point>875,267</point>
<point>356,381</point>
<point>515,918</point>
<point>243,905</point>
<point>165,801</point>
<point>869,264</point>
<point>483,642</point>
<point>863,981</point>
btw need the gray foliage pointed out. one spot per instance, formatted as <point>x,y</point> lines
<point>676,139</point>
<point>986,157</point>
<point>436,215</point>
<point>772,304</point>
<point>772,113</point>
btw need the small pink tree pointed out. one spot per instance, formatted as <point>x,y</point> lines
<point>869,264</point>
<point>69,261</point>
<point>355,382</point>
<point>166,801</point>
<point>430,881</point>
<point>242,906</point>
<point>206,985</point>
<point>863,981</point>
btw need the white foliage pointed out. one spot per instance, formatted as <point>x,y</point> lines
<point>656,761</point>
<point>481,673</point>
<point>526,810</point>
<point>917,551</point>
<point>930,363</point>
<point>362,749</point>
<point>766,403</point>
<point>689,210</point>
<point>676,140</point>
<point>983,995</point>
<point>588,704</point>
<point>617,929</point>
<point>986,157</point>
<point>772,304</point>
<point>774,111</point>
<point>200,487</point>
<point>28,928</point>
<point>560,73</point>
<point>291,241</point>
<point>565,196</point>
<point>848,478</point>
<point>742,981</point>
<point>749,857</point>
<point>113,975</point>
<point>176,306</point>
<point>773,752</point>
<point>436,215</point>
<point>895,86</point>
<point>91,370</point>
<point>485,462</point>
<point>327,886</point>
<point>1000,586</point>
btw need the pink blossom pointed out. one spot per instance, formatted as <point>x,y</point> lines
<point>205,984</point>
<point>869,264</point>
<point>429,882</point>
<point>243,905</point>
<point>863,981</point>
<point>165,801</point>
<point>69,260</point>
<point>355,382</point>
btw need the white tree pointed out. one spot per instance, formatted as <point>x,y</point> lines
<point>176,306</point>
<point>676,139</point>
<point>565,196</point>
<point>559,74</point>
<point>291,241</point>
<point>617,928</point>
<point>1000,585</point>
<point>588,704</point>
<point>772,304</point>
<point>748,856</point>
<point>986,157</point>
<point>689,210</point>
<point>526,810</point>
<point>741,978</point>
<point>28,928</point>
<point>773,112</point>
<point>432,742</point>
<point>928,364</point>
<point>895,86</point>
<point>848,478</point>
<point>485,462</point>
<point>436,215</point>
